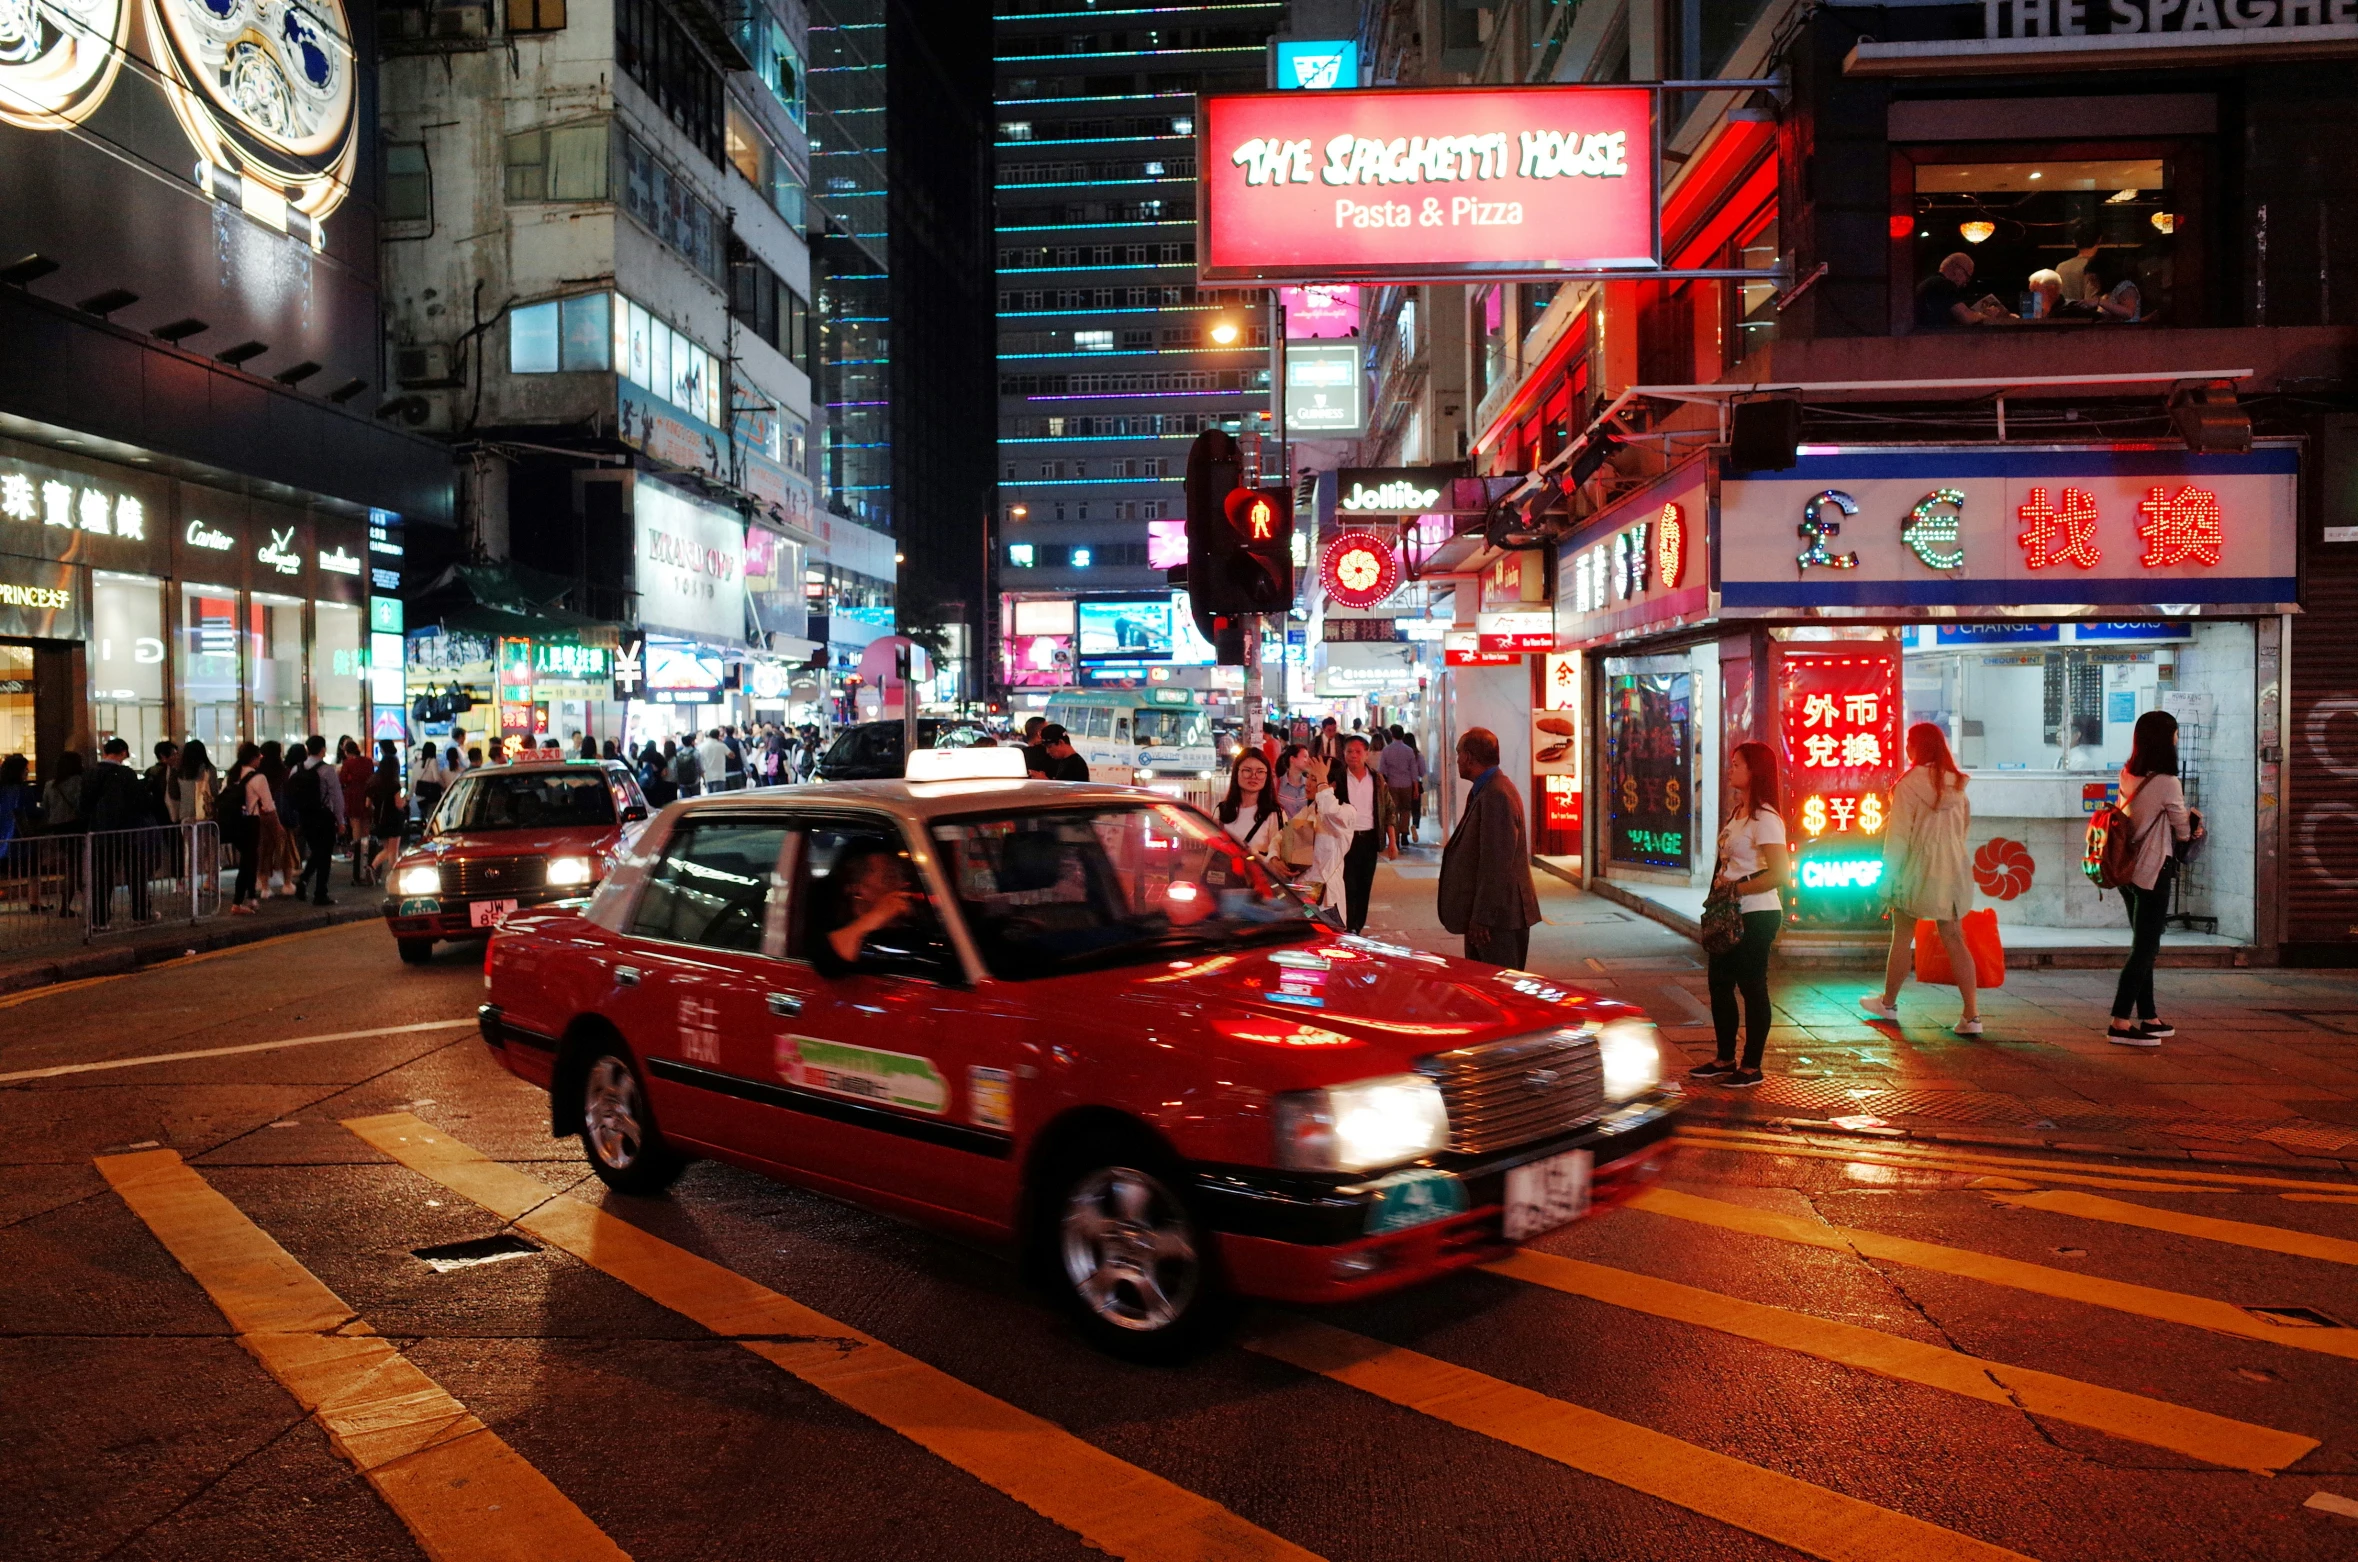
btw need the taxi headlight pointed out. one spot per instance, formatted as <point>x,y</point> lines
<point>1630,1053</point>
<point>1363,1126</point>
<point>422,879</point>
<point>570,870</point>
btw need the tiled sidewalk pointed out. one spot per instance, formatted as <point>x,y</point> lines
<point>2264,1067</point>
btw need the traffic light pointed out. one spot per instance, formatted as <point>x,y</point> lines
<point>1261,572</point>
<point>1213,465</point>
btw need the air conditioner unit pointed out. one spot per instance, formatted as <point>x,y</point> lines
<point>462,21</point>
<point>427,365</point>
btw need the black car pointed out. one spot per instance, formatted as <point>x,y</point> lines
<point>871,751</point>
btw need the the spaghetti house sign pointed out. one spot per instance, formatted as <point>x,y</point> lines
<point>1426,182</point>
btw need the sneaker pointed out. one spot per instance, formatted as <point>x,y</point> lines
<point>2134,1036</point>
<point>1742,1079</point>
<point>1967,1027</point>
<point>2158,1029</point>
<point>1712,1070</point>
<point>1878,1008</point>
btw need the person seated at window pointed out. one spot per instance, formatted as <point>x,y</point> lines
<point>1944,300</point>
<point>2086,240</point>
<point>2086,749</point>
<point>2121,299</point>
<point>873,890</point>
<point>2046,290</point>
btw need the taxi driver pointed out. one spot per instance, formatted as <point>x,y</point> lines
<point>876,893</point>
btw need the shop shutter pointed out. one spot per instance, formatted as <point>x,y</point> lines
<point>2321,787</point>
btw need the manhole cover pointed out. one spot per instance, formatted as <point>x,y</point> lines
<point>478,1250</point>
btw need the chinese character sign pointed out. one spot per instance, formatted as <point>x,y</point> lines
<point>1839,723</point>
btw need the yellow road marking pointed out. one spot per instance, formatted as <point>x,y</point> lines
<point>1879,1156</point>
<point>1114,1505</point>
<point>465,1494</point>
<point>2014,1163</point>
<point>223,1052</point>
<point>58,989</point>
<point>2200,1312</point>
<point>2322,1198</point>
<point>1810,1519</point>
<point>2242,1233</point>
<point>2157,1423</point>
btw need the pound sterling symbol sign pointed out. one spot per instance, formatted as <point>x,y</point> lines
<point>1815,528</point>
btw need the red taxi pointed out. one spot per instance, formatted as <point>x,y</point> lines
<point>1075,1021</point>
<point>508,836</point>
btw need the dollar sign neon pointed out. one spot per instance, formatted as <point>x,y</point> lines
<point>1815,528</point>
<point>1930,530</point>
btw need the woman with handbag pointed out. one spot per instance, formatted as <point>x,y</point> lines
<point>1330,842</point>
<point>1926,873</point>
<point>1250,811</point>
<point>2162,833</point>
<point>1742,913</point>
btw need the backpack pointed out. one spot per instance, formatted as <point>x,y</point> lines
<point>2111,849</point>
<point>306,791</point>
<point>230,802</point>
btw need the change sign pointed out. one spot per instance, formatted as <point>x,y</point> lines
<point>1426,183</point>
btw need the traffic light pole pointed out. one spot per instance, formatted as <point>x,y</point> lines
<point>1256,703</point>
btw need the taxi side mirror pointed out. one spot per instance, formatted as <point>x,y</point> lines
<point>632,813</point>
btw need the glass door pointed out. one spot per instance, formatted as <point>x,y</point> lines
<point>274,664</point>
<point>209,679</point>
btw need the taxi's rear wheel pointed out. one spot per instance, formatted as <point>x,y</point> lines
<point>1132,1261</point>
<point>617,1131</point>
<point>415,951</point>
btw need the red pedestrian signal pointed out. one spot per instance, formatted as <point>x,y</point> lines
<point>1254,514</point>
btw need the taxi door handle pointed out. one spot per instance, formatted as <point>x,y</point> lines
<point>626,976</point>
<point>788,1004</point>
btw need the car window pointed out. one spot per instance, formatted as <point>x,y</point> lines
<point>528,798</point>
<point>713,885</point>
<point>852,871</point>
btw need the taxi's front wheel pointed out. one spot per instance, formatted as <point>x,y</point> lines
<point>617,1131</point>
<point>1133,1261</point>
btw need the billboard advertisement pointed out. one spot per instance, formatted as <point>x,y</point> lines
<point>199,162</point>
<point>1325,388</point>
<point>1138,631</point>
<point>1428,183</point>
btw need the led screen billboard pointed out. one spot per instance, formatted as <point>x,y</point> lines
<point>1138,631</point>
<point>1426,183</point>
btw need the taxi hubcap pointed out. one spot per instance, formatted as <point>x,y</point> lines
<point>610,1112</point>
<point>1127,1250</point>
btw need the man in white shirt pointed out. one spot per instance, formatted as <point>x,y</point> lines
<point>1367,805</point>
<point>1402,768</point>
<point>712,755</point>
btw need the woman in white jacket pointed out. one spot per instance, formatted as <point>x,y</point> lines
<point>1926,872</point>
<point>2161,827</point>
<point>1333,839</point>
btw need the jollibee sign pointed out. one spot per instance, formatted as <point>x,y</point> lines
<point>1426,182</point>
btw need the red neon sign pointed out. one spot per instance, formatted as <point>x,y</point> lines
<point>1670,546</point>
<point>1359,569</point>
<point>1426,183</point>
<point>1841,722</point>
<point>2180,527</point>
<point>2057,536</point>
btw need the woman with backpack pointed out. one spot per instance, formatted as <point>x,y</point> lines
<point>240,825</point>
<point>1752,863</point>
<point>2160,828</point>
<point>1926,871</point>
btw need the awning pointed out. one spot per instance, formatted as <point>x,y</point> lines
<point>503,599</point>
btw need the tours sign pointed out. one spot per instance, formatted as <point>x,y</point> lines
<point>1426,183</point>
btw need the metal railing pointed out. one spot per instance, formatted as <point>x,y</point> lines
<point>74,888</point>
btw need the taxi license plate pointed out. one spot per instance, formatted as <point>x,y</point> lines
<point>489,913</point>
<point>1546,1194</point>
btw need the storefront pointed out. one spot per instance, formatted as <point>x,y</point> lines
<point>139,606</point>
<point>689,571</point>
<point>2031,602</point>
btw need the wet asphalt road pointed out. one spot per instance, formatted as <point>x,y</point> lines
<point>139,1428</point>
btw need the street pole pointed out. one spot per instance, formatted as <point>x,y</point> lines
<point>1285,473</point>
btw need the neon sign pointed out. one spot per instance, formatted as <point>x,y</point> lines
<point>2057,536</point>
<point>2180,526</point>
<point>1841,872</point>
<point>1670,546</point>
<point>1839,720</point>
<point>1816,527</point>
<point>1931,529</point>
<point>1359,569</point>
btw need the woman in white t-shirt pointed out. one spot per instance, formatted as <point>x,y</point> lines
<point>1752,862</point>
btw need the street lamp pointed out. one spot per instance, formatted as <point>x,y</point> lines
<point>1018,512</point>
<point>1225,332</point>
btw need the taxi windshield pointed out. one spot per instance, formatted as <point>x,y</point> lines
<point>528,800</point>
<point>1175,728</point>
<point>1054,892</point>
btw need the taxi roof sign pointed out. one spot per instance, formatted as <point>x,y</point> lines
<point>966,764</point>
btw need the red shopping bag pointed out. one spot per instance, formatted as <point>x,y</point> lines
<point>1981,941</point>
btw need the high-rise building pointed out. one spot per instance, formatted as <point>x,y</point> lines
<point>1107,364</point>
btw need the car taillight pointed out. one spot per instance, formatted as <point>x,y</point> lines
<point>489,944</point>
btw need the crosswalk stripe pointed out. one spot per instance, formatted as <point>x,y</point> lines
<point>2214,1439</point>
<point>2322,1198</point>
<point>1881,1155</point>
<point>2242,1233</point>
<point>1112,1504</point>
<point>2200,1312</point>
<point>464,1493</point>
<point>1988,1160</point>
<point>58,1070</point>
<point>1810,1519</point>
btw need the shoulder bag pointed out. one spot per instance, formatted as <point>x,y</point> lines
<point>1723,917</point>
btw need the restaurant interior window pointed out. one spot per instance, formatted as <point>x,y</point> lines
<point>209,670</point>
<point>339,672</point>
<point>127,661</point>
<point>274,663</point>
<point>16,700</point>
<point>1488,312</point>
<point>2094,238</point>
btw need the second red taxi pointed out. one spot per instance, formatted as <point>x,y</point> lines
<point>1076,1021</point>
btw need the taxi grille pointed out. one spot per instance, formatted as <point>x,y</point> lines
<point>491,878</point>
<point>1511,1092</point>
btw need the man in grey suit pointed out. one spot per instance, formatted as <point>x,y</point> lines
<point>1486,890</point>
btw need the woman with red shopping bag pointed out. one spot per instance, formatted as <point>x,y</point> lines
<point>1926,873</point>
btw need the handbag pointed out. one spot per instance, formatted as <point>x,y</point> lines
<point>1723,917</point>
<point>1297,843</point>
<point>1981,942</point>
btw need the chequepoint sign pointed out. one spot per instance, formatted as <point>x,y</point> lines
<point>1428,182</point>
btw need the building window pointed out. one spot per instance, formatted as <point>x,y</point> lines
<point>409,183</point>
<point>562,335</point>
<point>649,353</point>
<point>560,163</point>
<point>656,51</point>
<point>776,62</point>
<point>668,206</point>
<point>1082,558</point>
<point>536,16</point>
<point>1020,554</point>
<point>1093,341</point>
<point>1015,130</point>
<point>2109,234</point>
<point>765,167</point>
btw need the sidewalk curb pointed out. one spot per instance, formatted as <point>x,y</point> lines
<point>161,944</point>
<point>1723,1113</point>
